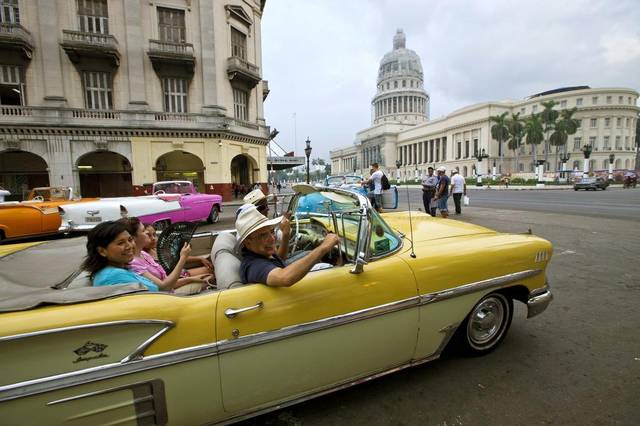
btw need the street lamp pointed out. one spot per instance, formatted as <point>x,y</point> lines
<point>479,155</point>
<point>307,152</point>
<point>564,159</point>
<point>612,158</point>
<point>586,151</point>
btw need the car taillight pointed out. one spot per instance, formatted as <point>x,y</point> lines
<point>123,211</point>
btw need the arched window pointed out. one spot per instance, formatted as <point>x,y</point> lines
<point>464,171</point>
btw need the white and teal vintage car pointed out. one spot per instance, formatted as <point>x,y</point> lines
<point>75,354</point>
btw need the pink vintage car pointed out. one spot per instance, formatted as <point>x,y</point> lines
<point>172,201</point>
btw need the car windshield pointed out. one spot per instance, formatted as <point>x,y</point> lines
<point>340,180</point>
<point>174,187</point>
<point>50,194</point>
<point>588,180</point>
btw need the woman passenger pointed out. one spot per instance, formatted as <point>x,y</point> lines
<point>144,264</point>
<point>110,248</point>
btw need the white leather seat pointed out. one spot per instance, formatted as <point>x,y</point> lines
<point>226,262</point>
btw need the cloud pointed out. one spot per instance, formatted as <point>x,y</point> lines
<point>321,58</point>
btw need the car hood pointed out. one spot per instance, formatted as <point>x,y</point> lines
<point>427,228</point>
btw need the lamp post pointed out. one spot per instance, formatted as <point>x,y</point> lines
<point>479,155</point>
<point>612,158</point>
<point>564,159</point>
<point>586,151</point>
<point>307,152</point>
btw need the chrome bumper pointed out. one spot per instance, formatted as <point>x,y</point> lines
<point>538,302</point>
<point>76,228</point>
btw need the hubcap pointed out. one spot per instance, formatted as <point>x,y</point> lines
<point>486,321</point>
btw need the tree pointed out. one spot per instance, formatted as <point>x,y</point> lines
<point>534,132</point>
<point>566,126</point>
<point>549,117</point>
<point>499,131</point>
<point>516,133</point>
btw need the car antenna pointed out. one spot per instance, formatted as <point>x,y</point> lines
<point>413,253</point>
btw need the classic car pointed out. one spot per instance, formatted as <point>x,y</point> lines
<point>3,193</point>
<point>72,353</point>
<point>594,183</point>
<point>37,215</point>
<point>173,201</point>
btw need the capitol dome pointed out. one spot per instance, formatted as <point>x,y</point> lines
<point>400,96</point>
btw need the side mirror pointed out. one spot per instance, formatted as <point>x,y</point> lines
<point>359,264</point>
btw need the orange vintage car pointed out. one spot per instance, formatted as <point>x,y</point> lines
<point>37,215</point>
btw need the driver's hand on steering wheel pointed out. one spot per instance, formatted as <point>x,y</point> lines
<point>330,241</point>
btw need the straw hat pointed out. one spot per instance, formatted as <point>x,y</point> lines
<point>249,219</point>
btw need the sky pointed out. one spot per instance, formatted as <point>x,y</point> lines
<point>321,57</point>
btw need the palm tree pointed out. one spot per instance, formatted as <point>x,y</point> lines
<point>534,132</point>
<point>499,131</point>
<point>516,133</point>
<point>566,126</point>
<point>549,117</point>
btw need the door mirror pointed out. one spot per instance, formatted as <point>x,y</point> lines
<point>359,264</point>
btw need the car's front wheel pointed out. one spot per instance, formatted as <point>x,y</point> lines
<point>486,325</point>
<point>214,214</point>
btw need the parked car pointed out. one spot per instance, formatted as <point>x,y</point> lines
<point>3,193</point>
<point>112,354</point>
<point>594,183</point>
<point>37,215</point>
<point>173,201</point>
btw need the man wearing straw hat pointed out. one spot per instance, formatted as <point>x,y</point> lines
<point>261,261</point>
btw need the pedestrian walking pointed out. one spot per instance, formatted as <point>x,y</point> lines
<point>442,192</point>
<point>429,184</point>
<point>279,186</point>
<point>458,190</point>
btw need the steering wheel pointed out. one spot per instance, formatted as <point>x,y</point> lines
<point>159,192</point>
<point>38,198</point>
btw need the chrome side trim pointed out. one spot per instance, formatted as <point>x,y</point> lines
<point>75,378</point>
<point>477,286</point>
<point>226,346</point>
<point>139,351</point>
<point>83,326</point>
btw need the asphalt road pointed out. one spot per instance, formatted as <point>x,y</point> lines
<point>613,203</point>
<point>576,364</point>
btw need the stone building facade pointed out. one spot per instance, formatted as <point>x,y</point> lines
<point>607,117</point>
<point>109,96</point>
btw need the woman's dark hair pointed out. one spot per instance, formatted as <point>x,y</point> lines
<point>132,224</point>
<point>100,236</point>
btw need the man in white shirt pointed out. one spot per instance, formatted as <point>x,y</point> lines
<point>374,184</point>
<point>429,184</point>
<point>458,189</point>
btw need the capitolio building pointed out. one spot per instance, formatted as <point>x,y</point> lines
<point>402,129</point>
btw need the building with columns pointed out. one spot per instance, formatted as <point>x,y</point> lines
<point>109,96</point>
<point>607,117</point>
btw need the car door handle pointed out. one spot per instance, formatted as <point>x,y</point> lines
<point>233,312</point>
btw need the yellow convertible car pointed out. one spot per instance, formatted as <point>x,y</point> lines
<point>393,296</point>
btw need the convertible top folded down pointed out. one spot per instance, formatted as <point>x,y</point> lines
<point>39,274</point>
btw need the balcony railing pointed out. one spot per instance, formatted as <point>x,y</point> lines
<point>16,36</point>
<point>78,44</point>
<point>150,120</point>
<point>238,68</point>
<point>171,48</point>
<point>89,38</point>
